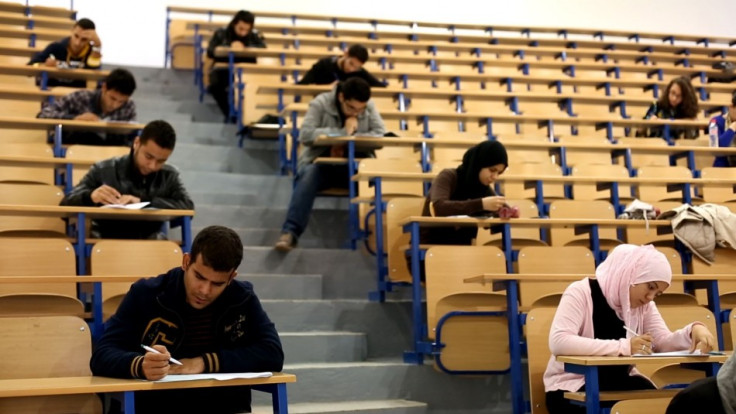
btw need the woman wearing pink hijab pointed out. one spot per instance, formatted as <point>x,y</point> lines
<point>591,317</point>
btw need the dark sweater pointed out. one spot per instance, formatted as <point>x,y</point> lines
<point>326,71</point>
<point>441,197</point>
<point>223,37</point>
<point>60,50</point>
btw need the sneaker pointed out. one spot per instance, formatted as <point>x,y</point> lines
<point>286,242</point>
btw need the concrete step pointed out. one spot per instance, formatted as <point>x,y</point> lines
<point>345,273</point>
<point>353,407</point>
<point>324,346</point>
<point>389,380</point>
<point>225,158</point>
<point>388,325</point>
<point>288,287</point>
<point>213,132</point>
<point>327,228</point>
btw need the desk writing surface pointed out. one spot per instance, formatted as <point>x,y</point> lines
<point>28,387</point>
<point>17,122</point>
<point>426,221</point>
<point>92,212</point>
<point>490,278</point>
<point>72,279</point>
<point>631,360</point>
<point>15,69</point>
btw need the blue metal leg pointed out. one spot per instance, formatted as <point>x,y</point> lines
<point>280,402</point>
<point>354,220</point>
<point>81,246</point>
<point>415,355</point>
<point>97,323</point>
<point>517,385</point>
<point>186,234</point>
<point>380,294</point>
<point>57,141</point>
<point>592,392</point>
<point>129,402</point>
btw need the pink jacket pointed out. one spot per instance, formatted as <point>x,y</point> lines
<point>572,334</point>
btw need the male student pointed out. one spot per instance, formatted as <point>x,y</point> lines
<point>140,176</point>
<point>338,68</point>
<point>238,34</point>
<point>109,103</point>
<point>346,110</point>
<point>81,50</point>
<point>199,315</point>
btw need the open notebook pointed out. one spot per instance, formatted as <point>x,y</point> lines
<point>673,353</point>
<point>219,377</point>
<point>132,206</point>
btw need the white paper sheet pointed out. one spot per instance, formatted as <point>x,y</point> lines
<point>673,353</point>
<point>133,206</point>
<point>219,377</point>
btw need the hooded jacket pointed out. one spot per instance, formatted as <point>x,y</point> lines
<point>151,314</point>
<point>701,228</point>
<point>225,37</point>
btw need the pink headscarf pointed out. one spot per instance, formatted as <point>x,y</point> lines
<point>628,265</point>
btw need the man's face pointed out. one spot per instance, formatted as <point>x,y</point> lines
<point>242,28</point>
<point>203,285</point>
<point>149,157</point>
<point>351,107</point>
<point>350,64</point>
<point>79,39</point>
<point>110,99</point>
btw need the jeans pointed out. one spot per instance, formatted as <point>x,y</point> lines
<point>311,179</point>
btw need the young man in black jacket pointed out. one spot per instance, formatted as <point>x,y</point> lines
<point>81,50</point>
<point>337,69</point>
<point>139,176</point>
<point>237,35</point>
<point>200,315</point>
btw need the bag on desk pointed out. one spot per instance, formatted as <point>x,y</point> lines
<point>727,74</point>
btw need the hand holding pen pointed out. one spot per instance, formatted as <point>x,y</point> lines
<point>156,362</point>
<point>640,344</point>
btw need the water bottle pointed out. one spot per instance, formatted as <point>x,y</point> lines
<point>713,134</point>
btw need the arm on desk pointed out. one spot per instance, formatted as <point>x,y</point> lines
<point>81,194</point>
<point>40,57</point>
<point>116,354</point>
<point>372,80</point>
<point>67,107</point>
<point>681,339</point>
<point>320,73</point>
<point>174,196</point>
<point>375,125</point>
<point>218,39</point>
<point>312,123</point>
<point>572,327</point>
<point>443,186</point>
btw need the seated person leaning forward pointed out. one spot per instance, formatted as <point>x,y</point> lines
<point>140,176</point>
<point>591,320</point>
<point>200,315</point>
<point>465,190</point>
<point>81,50</point>
<point>109,103</point>
<point>346,110</point>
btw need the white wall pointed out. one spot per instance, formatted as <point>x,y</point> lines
<point>133,30</point>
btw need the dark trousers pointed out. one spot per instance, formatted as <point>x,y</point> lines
<point>219,88</point>
<point>700,397</point>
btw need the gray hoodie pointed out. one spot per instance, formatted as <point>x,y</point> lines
<point>323,118</point>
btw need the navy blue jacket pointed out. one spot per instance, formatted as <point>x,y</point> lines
<point>60,50</point>
<point>246,340</point>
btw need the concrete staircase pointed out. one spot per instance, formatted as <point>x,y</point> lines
<point>345,350</point>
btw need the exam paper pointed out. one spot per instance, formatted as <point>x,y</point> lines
<point>673,353</point>
<point>133,206</point>
<point>219,377</point>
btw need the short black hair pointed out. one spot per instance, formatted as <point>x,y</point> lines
<point>161,132</point>
<point>243,16</point>
<point>121,80</point>
<point>355,88</point>
<point>85,24</point>
<point>359,52</point>
<point>220,247</point>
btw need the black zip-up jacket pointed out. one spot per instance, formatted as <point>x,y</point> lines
<point>151,314</point>
<point>223,37</point>
<point>326,71</point>
<point>163,189</point>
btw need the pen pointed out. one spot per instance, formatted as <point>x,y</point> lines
<point>631,331</point>
<point>149,349</point>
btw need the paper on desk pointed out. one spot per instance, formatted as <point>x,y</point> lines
<point>133,206</point>
<point>219,377</point>
<point>673,353</point>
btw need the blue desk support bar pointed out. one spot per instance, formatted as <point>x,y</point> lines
<point>278,396</point>
<point>294,142</point>
<point>383,285</point>
<point>58,151</point>
<point>425,126</point>
<point>353,218</point>
<point>592,391</point>
<point>197,68</point>
<point>32,40</point>
<point>419,328</point>
<point>167,40</point>
<point>239,112</point>
<point>230,69</point>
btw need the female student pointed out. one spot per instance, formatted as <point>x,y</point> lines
<point>592,316</point>
<point>465,190</point>
<point>726,130</point>
<point>678,101</point>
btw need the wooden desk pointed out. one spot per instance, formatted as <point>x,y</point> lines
<point>39,11</point>
<point>32,387</point>
<point>31,22</point>
<point>178,217</point>
<point>588,367</point>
